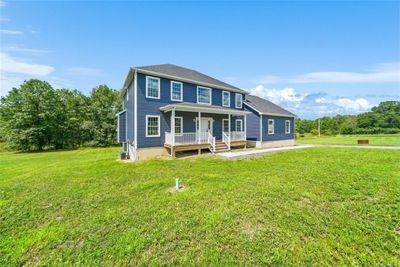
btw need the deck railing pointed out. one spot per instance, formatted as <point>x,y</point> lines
<point>186,138</point>
<point>211,141</point>
<point>237,136</point>
<point>226,139</point>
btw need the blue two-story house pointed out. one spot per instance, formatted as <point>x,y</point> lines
<point>168,109</point>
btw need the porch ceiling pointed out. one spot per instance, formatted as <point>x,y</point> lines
<point>193,107</point>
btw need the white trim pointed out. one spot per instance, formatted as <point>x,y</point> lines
<point>241,125</point>
<point>194,108</point>
<point>177,100</point>
<point>159,86</point>
<point>171,77</point>
<point>122,111</point>
<point>229,98</point>
<point>198,95</point>
<point>287,131</point>
<point>241,100</point>
<point>273,127</point>
<point>135,107</point>
<point>223,124</point>
<point>158,125</point>
<point>181,119</point>
<point>270,114</point>
<point>261,129</point>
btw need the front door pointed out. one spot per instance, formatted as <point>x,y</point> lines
<point>206,125</point>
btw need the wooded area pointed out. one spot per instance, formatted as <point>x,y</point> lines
<point>36,117</point>
<point>382,119</point>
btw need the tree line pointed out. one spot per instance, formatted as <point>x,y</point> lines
<point>36,117</point>
<point>382,119</point>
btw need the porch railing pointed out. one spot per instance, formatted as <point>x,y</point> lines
<point>237,136</point>
<point>186,138</point>
<point>211,141</point>
<point>226,139</point>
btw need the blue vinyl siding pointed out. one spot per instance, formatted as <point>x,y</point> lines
<point>130,116</point>
<point>279,126</point>
<point>253,125</point>
<point>122,127</point>
<point>148,106</point>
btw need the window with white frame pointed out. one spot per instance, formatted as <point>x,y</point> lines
<point>176,91</point>
<point>238,100</point>
<point>287,126</point>
<point>226,98</point>
<point>271,129</point>
<point>225,125</point>
<point>203,95</point>
<point>239,126</point>
<point>152,126</point>
<point>152,87</point>
<point>178,125</point>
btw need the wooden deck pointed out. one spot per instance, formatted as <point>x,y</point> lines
<point>198,147</point>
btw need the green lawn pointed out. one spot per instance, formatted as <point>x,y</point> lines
<point>315,206</point>
<point>374,140</point>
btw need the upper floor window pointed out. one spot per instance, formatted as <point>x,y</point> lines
<point>271,129</point>
<point>287,126</point>
<point>176,91</point>
<point>238,100</point>
<point>152,87</point>
<point>203,95</point>
<point>226,98</point>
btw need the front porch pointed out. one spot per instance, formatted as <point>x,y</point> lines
<point>206,127</point>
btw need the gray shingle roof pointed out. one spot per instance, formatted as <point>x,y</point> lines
<point>188,74</point>
<point>266,107</point>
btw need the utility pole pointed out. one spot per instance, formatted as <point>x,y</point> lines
<point>319,127</point>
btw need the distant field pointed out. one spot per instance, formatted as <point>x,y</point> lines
<point>316,206</point>
<point>374,140</point>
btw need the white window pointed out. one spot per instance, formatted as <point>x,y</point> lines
<point>178,125</point>
<point>238,100</point>
<point>239,126</point>
<point>225,125</point>
<point>152,87</point>
<point>226,98</point>
<point>176,91</point>
<point>287,126</point>
<point>271,129</point>
<point>152,126</point>
<point>203,95</point>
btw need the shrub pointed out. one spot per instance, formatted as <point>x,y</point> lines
<point>314,132</point>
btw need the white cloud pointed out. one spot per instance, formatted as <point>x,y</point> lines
<point>26,50</point>
<point>311,105</point>
<point>10,32</point>
<point>359,104</point>
<point>83,71</point>
<point>10,65</point>
<point>13,72</point>
<point>380,73</point>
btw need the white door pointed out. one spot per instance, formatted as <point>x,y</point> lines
<point>206,125</point>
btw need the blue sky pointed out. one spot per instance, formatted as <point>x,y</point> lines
<point>313,58</point>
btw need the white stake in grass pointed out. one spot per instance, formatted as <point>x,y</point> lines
<point>177,183</point>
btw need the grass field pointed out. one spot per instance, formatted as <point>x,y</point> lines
<point>315,206</point>
<point>374,140</point>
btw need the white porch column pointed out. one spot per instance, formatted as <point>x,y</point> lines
<point>199,126</point>
<point>245,129</point>
<point>173,126</point>
<point>229,125</point>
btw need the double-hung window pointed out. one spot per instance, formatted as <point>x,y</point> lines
<point>238,100</point>
<point>152,87</point>
<point>271,129</point>
<point>225,125</point>
<point>226,98</point>
<point>178,125</point>
<point>152,126</point>
<point>239,126</point>
<point>203,95</point>
<point>176,91</point>
<point>287,126</point>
